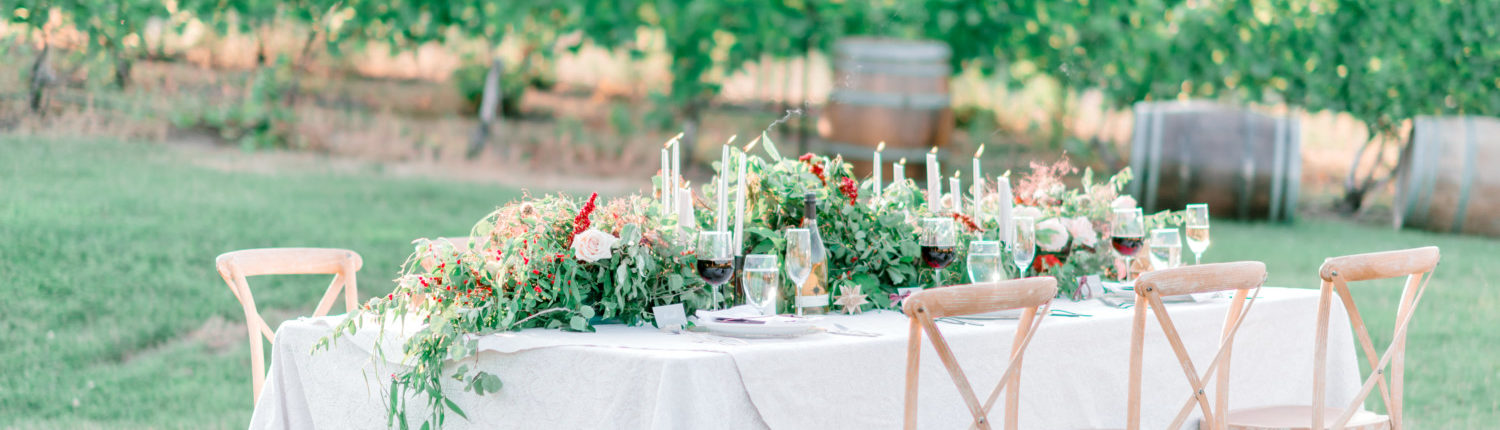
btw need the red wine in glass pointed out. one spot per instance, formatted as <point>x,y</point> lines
<point>938,257</point>
<point>1127,246</point>
<point>716,272</point>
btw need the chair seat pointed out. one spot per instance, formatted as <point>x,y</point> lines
<point>1300,418</point>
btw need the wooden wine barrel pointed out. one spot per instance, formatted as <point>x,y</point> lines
<point>888,90</point>
<point>1243,164</point>
<point>1444,183</point>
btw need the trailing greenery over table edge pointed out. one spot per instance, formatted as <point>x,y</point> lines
<point>524,269</point>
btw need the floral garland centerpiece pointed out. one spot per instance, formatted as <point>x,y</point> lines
<point>563,263</point>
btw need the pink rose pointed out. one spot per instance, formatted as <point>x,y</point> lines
<point>593,245</point>
<point>1083,231</point>
<point>1051,235</point>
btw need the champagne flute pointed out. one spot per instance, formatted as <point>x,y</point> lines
<point>1024,250</point>
<point>760,281</point>
<point>939,240</point>
<point>984,262</point>
<point>1127,234</point>
<point>1166,248</point>
<point>798,262</point>
<point>715,258</point>
<point>1197,230</point>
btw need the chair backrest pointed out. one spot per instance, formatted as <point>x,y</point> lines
<point>1034,295</point>
<point>1416,265</point>
<point>1243,277</point>
<point>235,266</point>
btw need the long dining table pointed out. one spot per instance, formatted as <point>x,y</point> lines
<point>1074,373</point>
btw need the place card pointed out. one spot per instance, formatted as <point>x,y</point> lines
<point>1089,287</point>
<point>670,317</point>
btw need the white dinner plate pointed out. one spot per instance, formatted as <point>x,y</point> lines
<point>781,328</point>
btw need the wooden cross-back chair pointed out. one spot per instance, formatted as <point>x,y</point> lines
<point>1034,295</point>
<point>235,266</point>
<point>1417,266</point>
<point>1245,278</point>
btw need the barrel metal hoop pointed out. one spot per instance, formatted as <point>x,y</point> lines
<point>1406,191</point>
<point>1138,136</point>
<point>1461,211</point>
<point>894,68</point>
<point>894,100</point>
<point>1278,168</point>
<point>1426,180</point>
<point>1247,166</point>
<point>1294,168</point>
<point>1153,179</point>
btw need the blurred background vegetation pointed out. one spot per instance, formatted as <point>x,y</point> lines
<point>342,102</point>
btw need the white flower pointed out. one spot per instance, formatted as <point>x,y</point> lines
<point>1051,235</point>
<point>1083,231</point>
<point>1026,212</point>
<point>593,245</point>
<point>1123,202</point>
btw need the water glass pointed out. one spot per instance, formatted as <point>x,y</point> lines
<point>761,280</point>
<point>1166,248</point>
<point>984,262</point>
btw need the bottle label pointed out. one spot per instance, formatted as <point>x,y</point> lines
<point>812,301</point>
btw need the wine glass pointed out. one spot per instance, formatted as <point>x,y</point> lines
<point>984,262</point>
<point>1197,230</point>
<point>760,279</point>
<point>798,261</point>
<point>715,257</point>
<point>1127,234</point>
<point>1166,248</point>
<point>939,240</point>
<point>1024,250</point>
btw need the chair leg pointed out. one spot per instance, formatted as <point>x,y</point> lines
<point>913,367</point>
<point>257,362</point>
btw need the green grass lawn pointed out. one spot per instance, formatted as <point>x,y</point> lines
<point>106,262</point>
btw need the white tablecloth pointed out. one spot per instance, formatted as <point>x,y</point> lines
<point>636,377</point>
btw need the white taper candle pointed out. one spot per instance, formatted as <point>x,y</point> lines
<point>934,184</point>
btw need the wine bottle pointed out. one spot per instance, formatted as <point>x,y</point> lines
<point>814,297</point>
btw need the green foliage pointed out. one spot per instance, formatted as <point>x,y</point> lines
<point>261,119</point>
<point>470,82</point>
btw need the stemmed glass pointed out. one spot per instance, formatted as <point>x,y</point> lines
<point>939,240</point>
<point>798,262</point>
<point>760,281</point>
<point>1127,234</point>
<point>1024,250</point>
<point>715,258</point>
<point>1166,248</point>
<point>984,261</point>
<point>1197,230</point>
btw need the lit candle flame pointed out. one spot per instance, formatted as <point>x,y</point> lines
<point>751,145</point>
<point>731,139</point>
<point>980,151</point>
<point>934,150</point>
<point>957,173</point>
<point>880,147</point>
<point>903,161</point>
